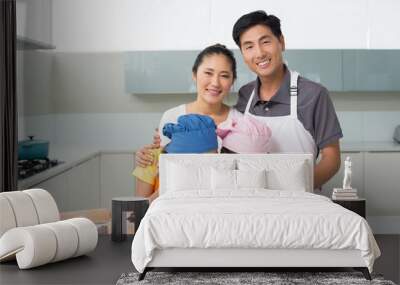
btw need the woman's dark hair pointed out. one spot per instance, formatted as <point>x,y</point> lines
<point>256,18</point>
<point>215,49</point>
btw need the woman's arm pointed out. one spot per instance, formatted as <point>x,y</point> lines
<point>143,189</point>
<point>153,196</point>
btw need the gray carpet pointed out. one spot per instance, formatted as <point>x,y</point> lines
<point>229,278</point>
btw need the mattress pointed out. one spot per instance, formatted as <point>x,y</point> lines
<point>250,219</point>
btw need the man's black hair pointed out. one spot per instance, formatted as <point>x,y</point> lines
<point>252,19</point>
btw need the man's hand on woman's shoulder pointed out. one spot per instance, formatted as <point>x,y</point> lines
<point>144,156</point>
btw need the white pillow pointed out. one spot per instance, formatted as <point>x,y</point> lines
<point>200,160</point>
<point>223,179</point>
<point>181,177</point>
<point>293,178</point>
<point>290,175</point>
<point>186,173</point>
<point>251,178</point>
<point>226,179</point>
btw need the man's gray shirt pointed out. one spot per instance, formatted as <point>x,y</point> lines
<point>314,107</point>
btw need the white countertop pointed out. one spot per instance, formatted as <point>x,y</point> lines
<point>69,158</point>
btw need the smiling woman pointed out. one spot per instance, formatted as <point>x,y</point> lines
<point>214,72</point>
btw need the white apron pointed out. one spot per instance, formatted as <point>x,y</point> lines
<point>288,133</point>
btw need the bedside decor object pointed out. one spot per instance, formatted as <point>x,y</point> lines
<point>355,205</point>
<point>127,212</point>
<point>31,232</point>
<point>347,174</point>
<point>346,192</point>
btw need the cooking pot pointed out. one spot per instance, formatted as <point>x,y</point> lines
<point>33,149</point>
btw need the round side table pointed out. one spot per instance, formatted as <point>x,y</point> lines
<point>137,205</point>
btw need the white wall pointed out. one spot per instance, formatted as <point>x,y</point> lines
<point>89,25</point>
<point>117,25</point>
<point>383,24</point>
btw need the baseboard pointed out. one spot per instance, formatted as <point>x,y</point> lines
<point>384,224</point>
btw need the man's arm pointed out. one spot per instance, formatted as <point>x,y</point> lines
<point>144,156</point>
<point>328,165</point>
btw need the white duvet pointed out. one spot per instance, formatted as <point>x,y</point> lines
<point>250,219</point>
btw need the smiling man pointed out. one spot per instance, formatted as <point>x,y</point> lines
<point>299,112</point>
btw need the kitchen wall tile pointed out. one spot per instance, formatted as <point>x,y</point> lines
<point>42,127</point>
<point>352,125</point>
<point>379,126</point>
<point>104,131</point>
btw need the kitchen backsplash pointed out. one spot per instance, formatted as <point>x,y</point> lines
<point>129,131</point>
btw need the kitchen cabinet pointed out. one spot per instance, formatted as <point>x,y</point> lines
<point>57,187</point>
<point>159,72</point>
<point>322,66</point>
<point>336,181</point>
<point>116,178</point>
<point>169,72</point>
<point>34,24</point>
<point>78,188</point>
<point>382,183</point>
<point>371,70</point>
<point>83,182</point>
<point>93,182</point>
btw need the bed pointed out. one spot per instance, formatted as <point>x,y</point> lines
<point>242,211</point>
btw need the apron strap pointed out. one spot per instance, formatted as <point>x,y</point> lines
<point>249,103</point>
<point>294,75</point>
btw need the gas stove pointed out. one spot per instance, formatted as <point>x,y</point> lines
<point>27,168</point>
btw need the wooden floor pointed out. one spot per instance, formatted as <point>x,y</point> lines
<point>110,260</point>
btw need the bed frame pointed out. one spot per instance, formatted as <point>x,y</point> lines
<point>242,259</point>
<point>245,259</point>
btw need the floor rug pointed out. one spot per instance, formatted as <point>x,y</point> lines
<point>243,278</point>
